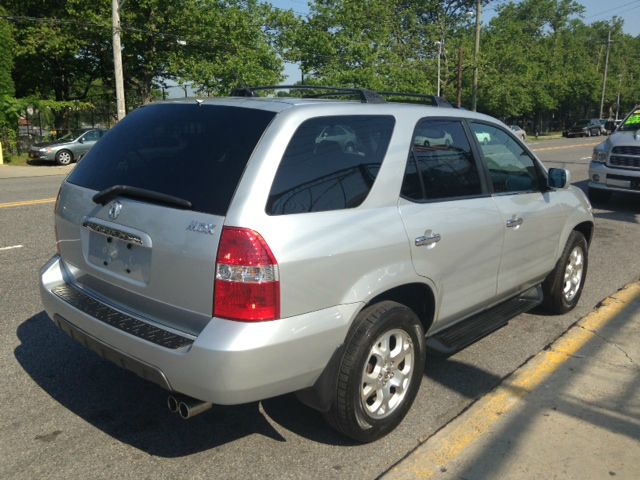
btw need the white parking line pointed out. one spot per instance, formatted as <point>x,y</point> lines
<point>585,158</point>
<point>12,247</point>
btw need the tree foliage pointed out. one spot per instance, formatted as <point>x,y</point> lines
<point>538,57</point>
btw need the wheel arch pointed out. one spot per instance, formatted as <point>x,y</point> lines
<point>586,229</point>
<point>419,297</point>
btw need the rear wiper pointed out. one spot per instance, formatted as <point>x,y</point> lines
<point>108,194</point>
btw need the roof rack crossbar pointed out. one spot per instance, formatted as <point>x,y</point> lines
<point>365,96</point>
<point>433,99</point>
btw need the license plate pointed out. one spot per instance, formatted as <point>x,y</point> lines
<point>614,182</point>
<point>125,259</point>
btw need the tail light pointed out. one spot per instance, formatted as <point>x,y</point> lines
<point>247,285</point>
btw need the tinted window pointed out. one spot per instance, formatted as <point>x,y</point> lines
<point>510,166</point>
<point>441,164</point>
<point>330,164</point>
<point>193,152</point>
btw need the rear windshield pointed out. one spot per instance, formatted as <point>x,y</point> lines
<point>189,151</point>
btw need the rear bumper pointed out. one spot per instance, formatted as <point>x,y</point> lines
<point>603,177</point>
<point>228,363</point>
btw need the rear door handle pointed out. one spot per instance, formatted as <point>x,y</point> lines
<point>514,222</point>
<point>425,240</point>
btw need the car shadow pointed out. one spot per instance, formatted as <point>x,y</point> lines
<point>467,380</point>
<point>622,207</point>
<point>41,163</point>
<point>134,411</point>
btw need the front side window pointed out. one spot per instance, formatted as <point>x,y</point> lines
<point>510,166</point>
<point>441,164</point>
<point>330,164</point>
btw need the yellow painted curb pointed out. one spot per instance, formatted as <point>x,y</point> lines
<point>447,444</point>
<point>25,203</point>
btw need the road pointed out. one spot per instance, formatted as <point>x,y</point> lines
<point>69,414</point>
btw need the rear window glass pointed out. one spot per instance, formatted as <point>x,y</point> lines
<point>193,152</point>
<point>330,164</point>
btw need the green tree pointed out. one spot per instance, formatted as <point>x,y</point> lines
<point>9,111</point>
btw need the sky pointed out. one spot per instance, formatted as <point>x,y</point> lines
<point>595,10</point>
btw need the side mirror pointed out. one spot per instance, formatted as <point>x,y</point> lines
<point>81,140</point>
<point>559,178</point>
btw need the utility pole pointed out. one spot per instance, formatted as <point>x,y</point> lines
<point>606,69</point>
<point>476,55</point>
<point>618,101</point>
<point>439,44</point>
<point>117,59</point>
<point>460,59</point>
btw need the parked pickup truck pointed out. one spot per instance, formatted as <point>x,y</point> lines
<point>615,164</point>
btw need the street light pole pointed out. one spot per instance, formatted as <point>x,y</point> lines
<point>117,59</point>
<point>606,69</point>
<point>474,98</point>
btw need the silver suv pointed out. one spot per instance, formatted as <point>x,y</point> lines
<point>615,165</point>
<point>223,250</point>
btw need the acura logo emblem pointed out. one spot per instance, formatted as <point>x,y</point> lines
<point>114,210</point>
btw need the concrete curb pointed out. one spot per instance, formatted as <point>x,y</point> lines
<point>26,171</point>
<point>448,444</point>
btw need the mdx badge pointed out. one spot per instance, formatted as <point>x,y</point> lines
<point>114,210</point>
<point>201,227</point>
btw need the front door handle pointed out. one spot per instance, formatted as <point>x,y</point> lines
<point>428,240</point>
<point>514,222</point>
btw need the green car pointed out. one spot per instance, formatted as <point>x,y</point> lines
<point>67,149</point>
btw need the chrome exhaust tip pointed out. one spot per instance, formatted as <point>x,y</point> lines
<point>172,403</point>
<point>190,407</point>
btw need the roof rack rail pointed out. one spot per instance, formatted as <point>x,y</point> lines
<point>430,99</point>
<point>365,96</point>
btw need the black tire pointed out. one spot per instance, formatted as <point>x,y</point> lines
<point>348,413</point>
<point>597,195</point>
<point>556,299</point>
<point>64,157</point>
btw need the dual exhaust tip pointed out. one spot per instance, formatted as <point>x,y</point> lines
<point>187,407</point>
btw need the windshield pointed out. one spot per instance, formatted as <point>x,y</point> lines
<point>632,122</point>
<point>581,123</point>
<point>67,137</point>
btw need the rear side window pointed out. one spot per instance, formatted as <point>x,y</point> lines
<point>441,164</point>
<point>189,151</point>
<point>330,164</point>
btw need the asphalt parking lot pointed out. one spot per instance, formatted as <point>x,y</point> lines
<point>69,414</point>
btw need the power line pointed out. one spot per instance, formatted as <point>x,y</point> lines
<point>610,10</point>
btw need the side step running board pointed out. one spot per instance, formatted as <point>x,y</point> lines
<point>462,334</point>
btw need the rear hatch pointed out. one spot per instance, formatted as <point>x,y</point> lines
<point>139,219</point>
